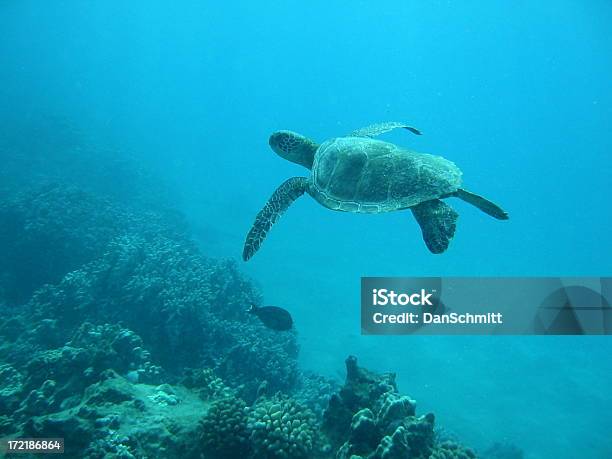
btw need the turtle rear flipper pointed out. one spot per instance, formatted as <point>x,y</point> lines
<point>483,204</point>
<point>278,203</point>
<point>380,128</point>
<point>438,222</point>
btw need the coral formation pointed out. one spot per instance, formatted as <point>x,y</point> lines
<point>361,390</point>
<point>49,231</point>
<point>314,391</point>
<point>177,309</point>
<point>52,380</point>
<point>11,387</point>
<point>451,450</point>
<point>383,424</point>
<point>123,338</point>
<point>224,428</point>
<point>206,383</point>
<point>281,428</point>
<point>116,265</point>
<point>116,418</point>
<point>172,297</point>
<point>273,428</point>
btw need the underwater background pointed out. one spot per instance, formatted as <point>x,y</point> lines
<point>134,158</point>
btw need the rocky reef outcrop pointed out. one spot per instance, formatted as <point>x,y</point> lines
<point>117,418</point>
<point>369,419</point>
<point>120,297</point>
<point>118,266</point>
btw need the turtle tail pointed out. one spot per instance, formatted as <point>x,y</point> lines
<point>483,204</point>
<point>278,203</point>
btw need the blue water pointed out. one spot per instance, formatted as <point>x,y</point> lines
<point>516,93</point>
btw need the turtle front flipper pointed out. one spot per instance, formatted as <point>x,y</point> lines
<point>278,203</point>
<point>438,222</point>
<point>380,128</point>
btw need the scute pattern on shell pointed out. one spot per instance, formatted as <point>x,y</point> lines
<point>371,176</point>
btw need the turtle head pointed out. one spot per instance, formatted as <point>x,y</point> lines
<point>294,147</point>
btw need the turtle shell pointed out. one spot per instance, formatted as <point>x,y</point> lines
<point>355,174</point>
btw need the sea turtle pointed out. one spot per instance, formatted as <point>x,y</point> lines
<point>357,173</point>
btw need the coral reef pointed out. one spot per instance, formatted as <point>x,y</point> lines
<point>126,300</point>
<point>84,393</point>
<point>281,428</point>
<point>52,380</point>
<point>120,336</point>
<point>11,387</point>
<point>206,384</point>
<point>116,418</point>
<point>49,231</point>
<point>379,423</point>
<point>189,310</point>
<point>451,450</point>
<point>361,390</point>
<point>170,295</point>
<point>315,391</point>
<point>224,428</point>
<point>273,428</point>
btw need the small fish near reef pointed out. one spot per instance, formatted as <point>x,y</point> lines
<point>273,317</point>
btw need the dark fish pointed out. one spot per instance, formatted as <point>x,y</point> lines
<point>413,130</point>
<point>273,317</point>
